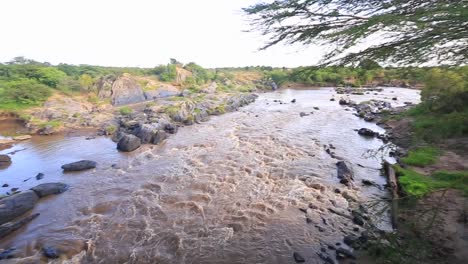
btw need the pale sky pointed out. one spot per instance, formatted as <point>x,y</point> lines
<point>141,33</point>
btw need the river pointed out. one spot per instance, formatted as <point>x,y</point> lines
<point>225,191</point>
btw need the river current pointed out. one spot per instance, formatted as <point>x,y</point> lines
<point>228,190</point>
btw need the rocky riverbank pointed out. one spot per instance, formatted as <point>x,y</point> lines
<point>444,238</point>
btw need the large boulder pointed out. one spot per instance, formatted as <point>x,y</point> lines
<point>5,161</point>
<point>46,189</point>
<point>80,165</point>
<point>16,205</point>
<point>128,143</point>
<point>344,173</point>
<point>122,90</point>
<point>151,133</point>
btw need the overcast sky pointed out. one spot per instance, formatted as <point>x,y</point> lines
<point>138,33</point>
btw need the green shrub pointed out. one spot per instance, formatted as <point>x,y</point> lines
<point>23,92</point>
<point>125,111</point>
<point>422,156</point>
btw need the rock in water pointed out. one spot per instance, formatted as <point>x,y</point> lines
<point>344,173</point>
<point>298,258</point>
<point>45,189</point>
<point>80,165</point>
<point>50,252</point>
<point>293,101</point>
<point>128,143</point>
<point>8,254</point>
<point>11,227</point>
<point>40,176</point>
<point>16,205</point>
<point>367,132</point>
<point>5,161</point>
<point>23,137</point>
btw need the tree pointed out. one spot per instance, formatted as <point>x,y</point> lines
<point>86,82</point>
<point>403,31</point>
<point>50,76</point>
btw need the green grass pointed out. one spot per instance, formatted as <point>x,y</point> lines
<point>15,106</point>
<point>416,184</point>
<point>432,127</point>
<point>51,123</point>
<point>422,156</point>
<point>125,111</point>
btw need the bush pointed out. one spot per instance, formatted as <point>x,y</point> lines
<point>125,111</point>
<point>23,92</point>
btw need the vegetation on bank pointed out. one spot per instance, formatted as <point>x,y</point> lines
<point>422,156</point>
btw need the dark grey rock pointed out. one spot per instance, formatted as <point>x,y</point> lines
<point>50,252</point>
<point>367,132</point>
<point>293,101</point>
<point>46,189</point>
<point>170,128</point>
<point>128,143</point>
<point>16,205</point>
<point>298,258</point>
<point>11,227</point>
<point>79,165</point>
<point>8,254</point>
<point>39,176</point>
<point>344,173</point>
<point>302,114</point>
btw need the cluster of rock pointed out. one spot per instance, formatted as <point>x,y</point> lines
<point>153,125</point>
<point>18,204</point>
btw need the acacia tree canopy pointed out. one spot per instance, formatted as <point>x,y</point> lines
<point>404,31</point>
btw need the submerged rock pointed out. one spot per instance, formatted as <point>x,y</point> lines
<point>128,143</point>
<point>80,165</point>
<point>46,189</point>
<point>16,205</point>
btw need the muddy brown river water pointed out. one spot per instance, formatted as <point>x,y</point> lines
<point>224,191</point>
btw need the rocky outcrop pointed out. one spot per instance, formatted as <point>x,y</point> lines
<point>126,90</point>
<point>5,161</point>
<point>16,205</point>
<point>128,143</point>
<point>80,165</point>
<point>151,133</point>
